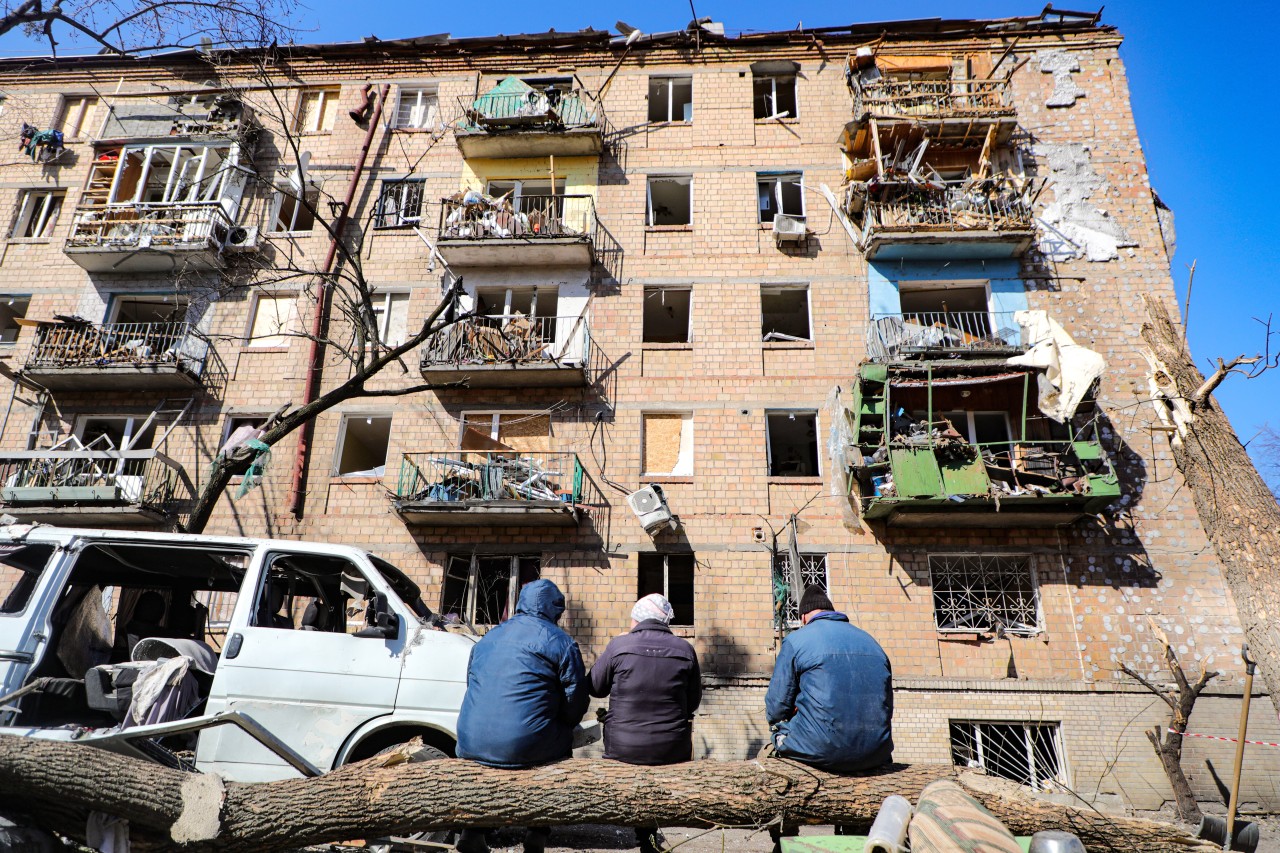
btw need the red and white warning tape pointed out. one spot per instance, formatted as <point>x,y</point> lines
<point>1227,739</point>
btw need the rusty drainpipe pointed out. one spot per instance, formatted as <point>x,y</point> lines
<point>315,358</point>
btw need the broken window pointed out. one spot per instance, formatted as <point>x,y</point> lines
<point>667,315</point>
<point>958,306</point>
<point>670,99</point>
<point>391,317</point>
<point>780,194</point>
<point>670,200</point>
<point>793,444</point>
<point>317,109</point>
<point>417,108</point>
<point>362,445</point>
<point>275,320</point>
<point>668,443</point>
<point>37,214</point>
<point>294,213</point>
<point>985,593</point>
<point>160,308</point>
<point>532,197</point>
<point>670,575</point>
<point>1026,753</point>
<point>27,562</point>
<point>483,590</point>
<point>785,313</point>
<point>988,428</point>
<point>774,96</point>
<point>79,118</point>
<point>312,592</point>
<point>13,307</point>
<point>399,203</point>
<point>813,572</point>
<point>119,433</point>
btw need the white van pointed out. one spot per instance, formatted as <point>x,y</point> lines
<point>294,656</point>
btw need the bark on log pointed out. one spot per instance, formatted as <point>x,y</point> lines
<point>1239,513</point>
<point>60,783</point>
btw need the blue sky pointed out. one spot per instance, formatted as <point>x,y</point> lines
<point>1204,91</point>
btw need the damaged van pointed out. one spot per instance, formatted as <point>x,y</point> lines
<point>252,658</point>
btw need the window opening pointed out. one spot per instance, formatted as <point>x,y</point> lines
<point>20,569</point>
<point>484,590</point>
<point>275,321</point>
<point>312,592</point>
<point>171,174</point>
<point>985,592</point>
<point>1026,753</point>
<point>774,96</point>
<point>79,116</point>
<point>506,309</point>
<point>292,212</point>
<point>668,443</point>
<point>119,433</point>
<point>530,197</point>
<point>793,444</point>
<point>391,317</point>
<point>785,312</point>
<point>523,432</point>
<point>672,576</point>
<point>362,445</point>
<point>37,214</point>
<point>813,572</point>
<point>670,200</point>
<point>670,99</point>
<point>961,308</point>
<point>317,110</point>
<point>167,308</point>
<point>667,315</point>
<point>400,203</point>
<point>13,307</point>
<point>417,108</point>
<point>780,194</point>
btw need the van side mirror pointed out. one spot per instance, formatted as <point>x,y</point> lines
<point>382,622</point>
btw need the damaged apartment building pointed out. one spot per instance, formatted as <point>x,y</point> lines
<point>854,305</point>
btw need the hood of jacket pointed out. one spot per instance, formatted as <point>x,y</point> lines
<point>541,598</point>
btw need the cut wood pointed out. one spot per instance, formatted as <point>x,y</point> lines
<point>58,784</point>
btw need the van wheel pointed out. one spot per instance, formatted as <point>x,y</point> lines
<point>443,839</point>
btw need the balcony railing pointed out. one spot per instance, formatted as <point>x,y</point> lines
<point>957,207</point>
<point>927,99</point>
<point>514,340</point>
<point>87,345</point>
<point>150,226</point>
<point>531,217</point>
<point>89,478</point>
<point>527,110</point>
<point>921,333</point>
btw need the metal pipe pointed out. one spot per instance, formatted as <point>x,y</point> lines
<point>314,361</point>
<point>1249,666</point>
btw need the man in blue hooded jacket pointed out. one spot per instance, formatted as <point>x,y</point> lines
<point>526,692</point>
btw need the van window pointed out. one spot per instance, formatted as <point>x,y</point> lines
<point>20,570</point>
<point>312,592</point>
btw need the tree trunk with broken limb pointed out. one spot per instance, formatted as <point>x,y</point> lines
<point>1239,513</point>
<point>58,784</point>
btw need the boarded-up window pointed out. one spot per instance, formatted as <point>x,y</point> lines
<point>275,319</point>
<point>668,443</point>
<point>317,110</point>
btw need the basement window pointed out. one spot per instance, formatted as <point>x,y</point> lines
<point>670,575</point>
<point>793,444</point>
<point>1026,753</point>
<point>670,99</point>
<point>362,445</point>
<point>13,307</point>
<point>668,444</point>
<point>667,315</point>
<point>780,194</point>
<point>982,593</point>
<point>813,572</point>
<point>670,200</point>
<point>483,590</point>
<point>774,96</point>
<point>785,313</point>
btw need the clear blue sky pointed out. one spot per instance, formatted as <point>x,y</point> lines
<point>1205,85</point>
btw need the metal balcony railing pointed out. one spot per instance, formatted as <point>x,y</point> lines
<point>891,336</point>
<point>530,217</point>
<point>479,476</point>
<point>510,339</point>
<point>142,226</point>
<point>957,97</point>
<point>532,110</point>
<point>90,477</point>
<point>110,344</point>
<point>958,206</point>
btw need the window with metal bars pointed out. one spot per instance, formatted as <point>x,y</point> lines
<point>400,203</point>
<point>985,592</point>
<point>416,109</point>
<point>813,571</point>
<point>1026,753</point>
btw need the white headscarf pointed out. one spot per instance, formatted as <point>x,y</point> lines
<point>653,606</point>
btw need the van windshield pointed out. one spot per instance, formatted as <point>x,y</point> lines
<point>20,570</point>
<point>403,586</point>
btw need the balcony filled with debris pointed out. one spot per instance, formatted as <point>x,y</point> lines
<point>479,229</point>
<point>70,352</point>
<point>510,351</point>
<point>980,442</point>
<point>530,119</point>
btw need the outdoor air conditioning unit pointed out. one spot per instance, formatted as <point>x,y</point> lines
<point>788,229</point>
<point>242,238</point>
<point>650,506</point>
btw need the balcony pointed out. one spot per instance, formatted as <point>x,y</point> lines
<point>493,488</point>
<point>150,237</point>
<point>529,123</point>
<point>957,98</point>
<point>944,334</point>
<point>922,220</point>
<point>515,351</point>
<point>88,488</point>
<point>119,356</point>
<point>545,230</point>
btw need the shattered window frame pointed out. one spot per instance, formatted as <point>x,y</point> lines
<point>984,593</point>
<point>476,598</point>
<point>37,216</point>
<point>813,570</point>
<point>286,195</point>
<point>1029,753</point>
<point>772,191</point>
<point>13,307</point>
<point>765,104</point>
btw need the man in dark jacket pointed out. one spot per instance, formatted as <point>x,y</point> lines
<point>654,685</point>
<point>830,702</point>
<point>526,691</point>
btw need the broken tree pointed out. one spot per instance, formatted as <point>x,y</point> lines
<point>58,784</point>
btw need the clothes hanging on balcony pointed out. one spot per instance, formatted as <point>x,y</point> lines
<point>44,146</point>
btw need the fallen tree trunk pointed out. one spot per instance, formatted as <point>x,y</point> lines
<point>59,784</point>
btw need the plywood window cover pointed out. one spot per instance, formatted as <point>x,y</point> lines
<point>668,444</point>
<point>274,321</point>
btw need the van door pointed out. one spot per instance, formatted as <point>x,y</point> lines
<point>293,663</point>
<point>27,589</point>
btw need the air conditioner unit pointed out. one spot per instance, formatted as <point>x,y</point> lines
<point>788,229</point>
<point>242,238</point>
<point>650,506</point>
